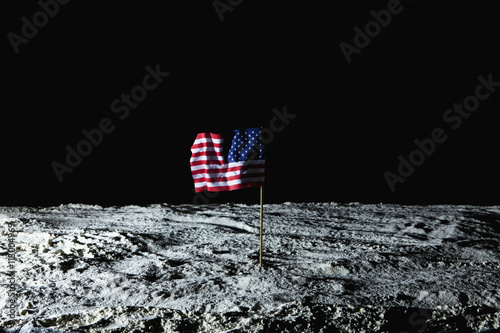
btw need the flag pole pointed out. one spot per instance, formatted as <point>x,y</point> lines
<point>261,222</point>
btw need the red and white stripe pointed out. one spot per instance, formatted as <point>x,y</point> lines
<point>211,173</point>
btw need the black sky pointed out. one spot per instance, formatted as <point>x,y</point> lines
<point>353,120</point>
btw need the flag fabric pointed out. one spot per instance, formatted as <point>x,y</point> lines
<point>243,166</point>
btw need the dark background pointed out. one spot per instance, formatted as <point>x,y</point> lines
<point>353,120</point>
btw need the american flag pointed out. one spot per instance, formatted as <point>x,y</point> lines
<point>242,167</point>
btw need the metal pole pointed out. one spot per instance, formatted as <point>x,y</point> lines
<point>261,222</point>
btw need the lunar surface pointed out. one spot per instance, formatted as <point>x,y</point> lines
<point>328,267</point>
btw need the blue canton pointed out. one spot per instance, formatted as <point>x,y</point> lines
<point>246,146</point>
